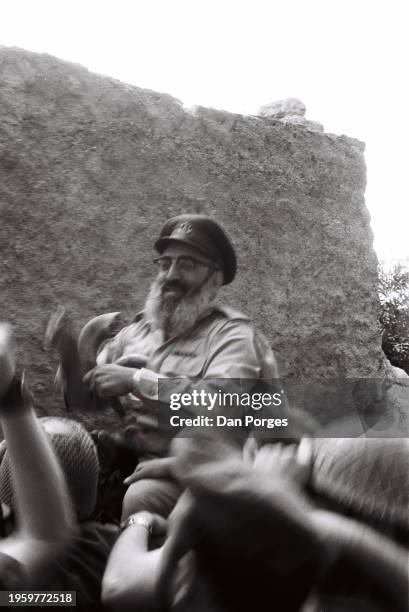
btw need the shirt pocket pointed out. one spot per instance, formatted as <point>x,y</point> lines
<point>184,363</point>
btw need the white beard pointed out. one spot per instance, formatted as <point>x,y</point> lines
<point>177,314</point>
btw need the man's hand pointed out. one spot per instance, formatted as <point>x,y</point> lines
<point>110,380</point>
<point>134,360</point>
<point>153,468</point>
<point>7,358</point>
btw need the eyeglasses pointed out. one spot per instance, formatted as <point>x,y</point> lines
<point>183,263</point>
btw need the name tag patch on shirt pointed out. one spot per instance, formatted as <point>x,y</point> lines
<point>180,353</point>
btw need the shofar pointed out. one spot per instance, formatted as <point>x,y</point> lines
<point>77,357</point>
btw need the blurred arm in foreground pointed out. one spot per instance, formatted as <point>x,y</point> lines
<point>44,515</point>
<point>258,539</point>
<point>246,536</point>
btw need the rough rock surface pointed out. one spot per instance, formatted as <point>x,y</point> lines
<point>289,110</point>
<point>314,126</point>
<point>91,167</point>
<point>282,108</point>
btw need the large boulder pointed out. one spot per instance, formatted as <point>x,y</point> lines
<point>89,170</point>
<point>289,110</point>
<point>283,108</point>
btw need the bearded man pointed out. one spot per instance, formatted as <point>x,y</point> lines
<point>181,333</point>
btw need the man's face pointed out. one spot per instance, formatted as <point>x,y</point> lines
<point>185,285</point>
<point>177,281</point>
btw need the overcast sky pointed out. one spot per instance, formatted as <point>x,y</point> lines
<point>346,60</point>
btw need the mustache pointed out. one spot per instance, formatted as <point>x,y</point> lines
<point>173,284</point>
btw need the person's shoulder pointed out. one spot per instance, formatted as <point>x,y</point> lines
<point>234,324</point>
<point>226,321</point>
<point>230,314</point>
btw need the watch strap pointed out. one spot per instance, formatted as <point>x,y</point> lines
<point>137,520</point>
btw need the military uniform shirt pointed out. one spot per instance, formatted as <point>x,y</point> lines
<point>221,349</point>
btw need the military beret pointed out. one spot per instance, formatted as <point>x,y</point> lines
<point>204,235</point>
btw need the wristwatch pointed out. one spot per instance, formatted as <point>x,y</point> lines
<point>136,379</point>
<point>137,519</point>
